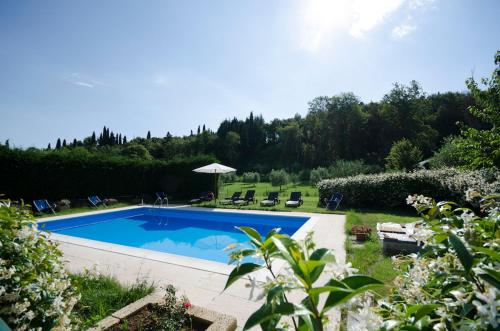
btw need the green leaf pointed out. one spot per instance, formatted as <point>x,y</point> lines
<point>241,271</point>
<point>323,289</point>
<point>252,234</point>
<point>420,311</point>
<point>358,281</point>
<point>491,276</point>
<point>463,254</point>
<point>261,315</point>
<point>488,251</point>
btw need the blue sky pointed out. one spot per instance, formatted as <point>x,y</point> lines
<point>70,67</point>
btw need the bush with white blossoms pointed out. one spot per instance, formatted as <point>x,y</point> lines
<point>35,289</point>
<point>389,190</point>
<point>453,283</point>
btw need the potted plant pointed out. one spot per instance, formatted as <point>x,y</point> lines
<point>362,232</point>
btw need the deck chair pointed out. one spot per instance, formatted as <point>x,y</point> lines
<point>231,199</point>
<point>42,206</point>
<point>334,201</point>
<point>295,200</point>
<point>249,197</point>
<point>95,201</point>
<point>204,196</point>
<point>271,200</point>
<point>160,198</point>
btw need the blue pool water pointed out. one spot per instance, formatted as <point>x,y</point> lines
<point>200,234</point>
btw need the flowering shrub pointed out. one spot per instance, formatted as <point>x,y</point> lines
<point>35,289</point>
<point>311,275</point>
<point>390,189</point>
<point>454,282</point>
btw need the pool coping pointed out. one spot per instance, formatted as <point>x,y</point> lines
<point>175,259</point>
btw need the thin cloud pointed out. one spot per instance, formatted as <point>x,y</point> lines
<point>402,30</point>
<point>83,80</point>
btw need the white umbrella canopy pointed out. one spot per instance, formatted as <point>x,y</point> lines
<point>215,168</point>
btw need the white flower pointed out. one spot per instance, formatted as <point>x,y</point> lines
<point>340,270</point>
<point>365,319</point>
<point>488,308</point>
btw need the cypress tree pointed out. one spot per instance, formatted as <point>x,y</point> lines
<point>49,147</point>
<point>120,139</point>
<point>124,140</point>
<point>148,135</point>
<point>58,143</point>
<point>75,142</point>
<point>64,143</point>
<point>203,127</point>
<point>7,144</point>
<point>92,139</point>
<point>198,130</point>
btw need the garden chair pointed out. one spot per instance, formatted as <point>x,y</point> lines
<point>334,201</point>
<point>160,198</point>
<point>231,199</point>
<point>95,201</point>
<point>295,200</point>
<point>204,196</point>
<point>42,206</point>
<point>249,197</point>
<point>271,200</point>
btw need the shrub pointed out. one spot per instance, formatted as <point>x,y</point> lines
<point>35,174</point>
<point>344,168</point>
<point>278,177</point>
<point>403,155</point>
<point>389,190</point>
<point>251,177</point>
<point>229,177</point>
<point>318,174</point>
<point>35,289</point>
<point>448,155</point>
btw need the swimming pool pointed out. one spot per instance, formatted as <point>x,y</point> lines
<point>198,234</point>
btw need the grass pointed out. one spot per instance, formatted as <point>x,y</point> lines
<point>102,295</point>
<point>309,195</point>
<point>368,257</point>
<point>76,210</point>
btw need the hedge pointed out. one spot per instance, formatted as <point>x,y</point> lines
<point>31,174</point>
<point>389,190</point>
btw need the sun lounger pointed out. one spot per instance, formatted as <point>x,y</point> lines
<point>295,200</point>
<point>334,201</point>
<point>249,197</point>
<point>95,201</point>
<point>204,196</point>
<point>271,200</point>
<point>231,199</point>
<point>42,206</point>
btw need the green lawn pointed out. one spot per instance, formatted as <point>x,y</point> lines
<point>309,195</point>
<point>368,257</point>
<point>103,295</point>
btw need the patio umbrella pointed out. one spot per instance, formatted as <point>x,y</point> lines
<point>216,169</point>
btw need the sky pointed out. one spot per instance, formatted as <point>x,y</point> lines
<point>68,68</point>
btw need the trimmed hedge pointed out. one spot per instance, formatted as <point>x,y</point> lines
<point>32,174</point>
<point>390,190</point>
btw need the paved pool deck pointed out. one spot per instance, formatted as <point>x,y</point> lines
<point>200,280</point>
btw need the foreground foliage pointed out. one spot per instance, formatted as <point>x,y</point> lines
<point>35,289</point>
<point>310,272</point>
<point>454,282</point>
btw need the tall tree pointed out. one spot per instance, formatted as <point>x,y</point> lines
<point>148,135</point>
<point>58,143</point>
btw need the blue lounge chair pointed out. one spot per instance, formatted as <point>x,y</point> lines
<point>42,206</point>
<point>95,201</point>
<point>160,198</point>
<point>295,200</point>
<point>334,201</point>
